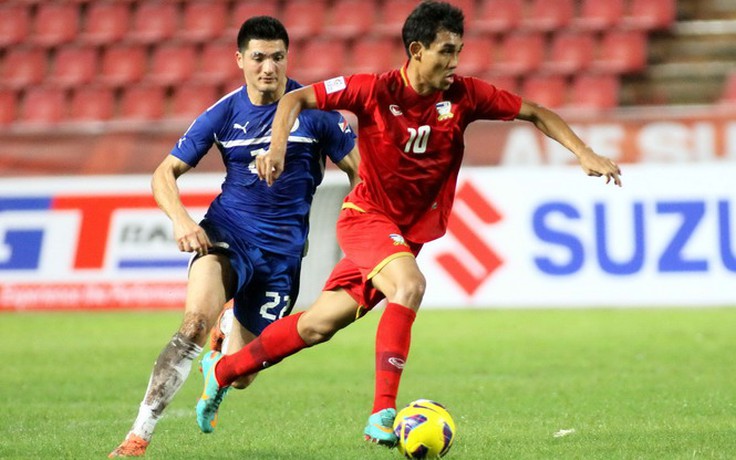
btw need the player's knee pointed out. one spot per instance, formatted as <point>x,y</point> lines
<point>195,327</point>
<point>316,332</point>
<point>410,291</point>
<point>243,382</point>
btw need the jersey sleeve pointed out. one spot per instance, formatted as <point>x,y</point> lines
<point>194,144</point>
<point>344,93</point>
<point>338,138</point>
<point>492,103</point>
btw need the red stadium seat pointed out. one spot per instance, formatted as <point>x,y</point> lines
<point>547,90</point>
<point>244,9</point>
<point>55,23</point>
<point>24,66</point>
<point>15,24</point>
<point>599,14</point>
<point>143,103</point>
<point>8,106</point>
<point>596,92</point>
<point>303,18</point>
<point>375,55</point>
<point>391,16</point>
<point>191,100</point>
<point>319,59</point>
<point>548,15</point>
<point>497,16</point>
<point>477,55</point>
<point>650,14</point>
<point>74,66</point>
<point>123,64</point>
<point>43,105</point>
<point>172,63</point>
<point>218,65</point>
<point>506,82</point>
<point>468,7</point>
<point>92,103</point>
<point>154,21</point>
<point>350,19</point>
<point>107,22</point>
<point>520,53</point>
<point>622,51</point>
<point>570,52</point>
<point>204,20</point>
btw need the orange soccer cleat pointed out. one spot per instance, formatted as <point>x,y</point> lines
<point>132,446</point>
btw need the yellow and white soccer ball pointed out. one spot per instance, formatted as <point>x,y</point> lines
<point>425,429</point>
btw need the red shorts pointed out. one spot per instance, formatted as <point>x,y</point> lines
<point>369,241</point>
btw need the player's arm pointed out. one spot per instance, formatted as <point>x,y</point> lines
<point>556,128</point>
<point>349,164</point>
<point>271,164</point>
<point>189,236</point>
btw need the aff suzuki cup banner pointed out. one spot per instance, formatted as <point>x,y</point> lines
<point>518,237</point>
<point>553,237</point>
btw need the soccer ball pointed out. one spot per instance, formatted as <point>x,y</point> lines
<point>425,429</point>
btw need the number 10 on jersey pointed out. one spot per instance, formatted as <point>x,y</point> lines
<point>418,139</point>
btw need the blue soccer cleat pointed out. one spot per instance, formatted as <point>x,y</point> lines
<point>380,428</point>
<point>212,394</point>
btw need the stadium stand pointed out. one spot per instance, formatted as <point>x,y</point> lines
<point>123,64</point>
<point>497,16</point>
<point>192,99</point>
<point>599,15</point>
<point>349,19</point>
<point>154,21</point>
<point>8,106</point>
<point>15,24</point>
<point>570,52</point>
<point>43,105</point>
<point>55,23</point>
<point>106,22</point>
<point>172,63</point>
<point>74,66</point>
<point>547,90</point>
<point>143,103</point>
<point>203,20</point>
<point>594,92</point>
<point>548,15</point>
<point>92,103</point>
<point>24,66</point>
<point>173,44</point>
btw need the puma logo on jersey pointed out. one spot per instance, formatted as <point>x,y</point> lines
<point>395,110</point>
<point>241,127</point>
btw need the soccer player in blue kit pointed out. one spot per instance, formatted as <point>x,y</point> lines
<point>250,244</point>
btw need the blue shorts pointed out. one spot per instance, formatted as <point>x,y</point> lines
<point>267,283</point>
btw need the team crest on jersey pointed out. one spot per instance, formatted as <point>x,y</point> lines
<point>398,240</point>
<point>395,110</point>
<point>444,110</point>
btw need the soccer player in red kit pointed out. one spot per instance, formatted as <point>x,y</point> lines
<point>411,126</point>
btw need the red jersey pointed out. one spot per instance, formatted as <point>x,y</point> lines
<point>411,146</point>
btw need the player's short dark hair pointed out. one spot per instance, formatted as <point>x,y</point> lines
<point>427,19</point>
<point>262,28</point>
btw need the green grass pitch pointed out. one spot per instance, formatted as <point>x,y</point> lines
<point>631,383</point>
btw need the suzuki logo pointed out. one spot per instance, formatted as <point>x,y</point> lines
<point>469,280</point>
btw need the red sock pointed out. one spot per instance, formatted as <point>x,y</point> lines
<point>277,341</point>
<point>392,347</point>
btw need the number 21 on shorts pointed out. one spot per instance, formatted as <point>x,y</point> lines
<point>418,139</point>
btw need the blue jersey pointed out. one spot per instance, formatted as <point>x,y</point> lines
<point>273,218</point>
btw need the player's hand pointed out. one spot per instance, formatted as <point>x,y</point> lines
<point>190,237</point>
<point>270,165</point>
<point>597,166</point>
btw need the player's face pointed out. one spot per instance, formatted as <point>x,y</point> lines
<point>439,61</point>
<point>264,66</point>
